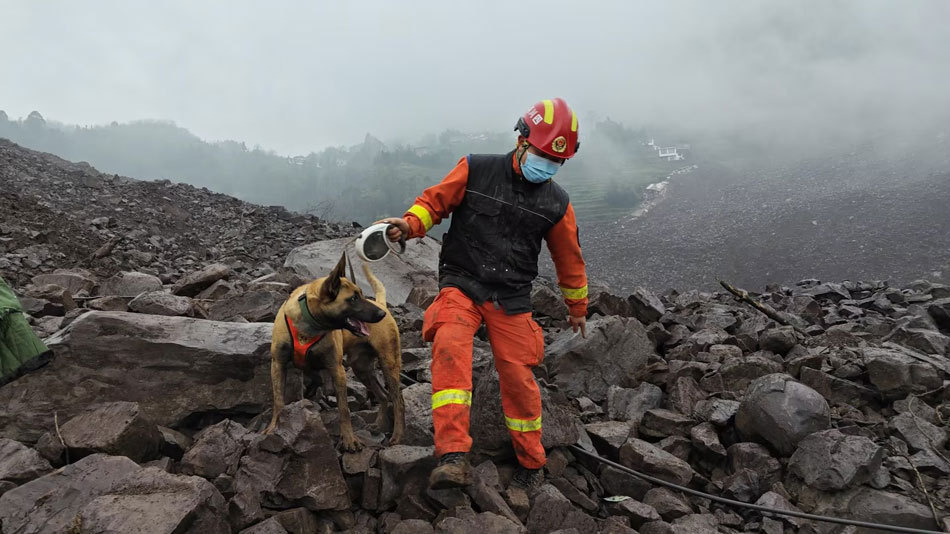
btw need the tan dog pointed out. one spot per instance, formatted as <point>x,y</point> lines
<point>326,319</point>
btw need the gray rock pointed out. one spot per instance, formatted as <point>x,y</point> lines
<point>161,303</point>
<point>832,461</point>
<point>196,282</point>
<point>405,469</point>
<point>552,511</point>
<point>270,526</point>
<point>49,503</point>
<point>152,500</point>
<point>295,465</point>
<point>781,412</point>
<point>939,310</point>
<point>896,374</point>
<point>418,402</point>
<point>638,512</point>
<point>771,499</point>
<point>174,443</point>
<point>615,350</point>
<point>120,304</point>
<point>19,463</point>
<point>927,341</point>
<point>918,433</point>
<point>216,451</point>
<point>778,340</point>
<point>74,282</point>
<point>483,523</point>
<point>668,504</point>
<point>660,423</point>
<point>174,367</point>
<point>736,374</point>
<point>646,307</point>
<point>618,482</point>
<point>548,303</point>
<point>755,458</point>
<point>837,390</point>
<point>696,524</point>
<point>129,284</point>
<point>413,526</point>
<point>630,404</point>
<point>116,428</point>
<point>609,436</point>
<point>705,439</point>
<point>252,306</point>
<point>717,411</point>
<point>642,456</point>
<point>743,485</point>
<point>867,504</point>
<point>685,394</point>
<point>217,291</point>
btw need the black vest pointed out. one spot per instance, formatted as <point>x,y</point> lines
<point>491,249</point>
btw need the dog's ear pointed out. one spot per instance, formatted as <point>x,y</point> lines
<point>331,287</point>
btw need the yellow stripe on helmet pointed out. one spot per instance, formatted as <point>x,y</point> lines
<point>451,396</point>
<point>548,111</point>
<point>573,121</point>
<point>523,425</point>
<point>423,215</point>
<point>574,293</point>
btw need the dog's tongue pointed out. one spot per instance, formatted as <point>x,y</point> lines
<point>363,328</point>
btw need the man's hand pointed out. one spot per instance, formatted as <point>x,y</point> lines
<point>578,322</point>
<point>400,229</point>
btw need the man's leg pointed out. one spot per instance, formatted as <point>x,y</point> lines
<point>450,323</point>
<point>518,345</point>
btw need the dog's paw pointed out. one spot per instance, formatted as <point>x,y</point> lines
<point>395,439</point>
<point>269,429</point>
<point>353,444</point>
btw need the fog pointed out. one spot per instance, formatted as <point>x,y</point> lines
<point>298,76</point>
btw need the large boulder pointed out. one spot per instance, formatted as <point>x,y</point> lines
<point>295,465</point>
<point>614,351</point>
<point>832,461</point>
<point>153,501</point>
<point>116,428</point>
<point>50,503</point>
<point>175,368</point>
<point>129,284</point>
<point>418,265</point>
<point>781,412</point>
<point>488,429</point>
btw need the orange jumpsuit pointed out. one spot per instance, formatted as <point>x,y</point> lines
<point>517,341</point>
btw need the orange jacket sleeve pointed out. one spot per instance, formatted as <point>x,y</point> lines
<point>438,201</point>
<point>565,247</point>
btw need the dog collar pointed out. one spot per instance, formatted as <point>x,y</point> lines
<point>305,310</point>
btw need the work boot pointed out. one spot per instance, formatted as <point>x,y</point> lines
<point>453,471</point>
<point>527,479</point>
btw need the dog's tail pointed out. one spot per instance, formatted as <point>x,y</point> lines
<point>379,290</point>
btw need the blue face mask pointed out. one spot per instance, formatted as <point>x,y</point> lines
<point>537,170</point>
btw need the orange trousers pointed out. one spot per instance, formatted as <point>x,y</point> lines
<point>518,345</point>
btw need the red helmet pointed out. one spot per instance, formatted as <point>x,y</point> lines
<point>551,127</point>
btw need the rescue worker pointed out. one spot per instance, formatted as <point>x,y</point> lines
<point>502,207</point>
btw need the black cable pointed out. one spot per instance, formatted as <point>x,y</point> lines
<point>766,509</point>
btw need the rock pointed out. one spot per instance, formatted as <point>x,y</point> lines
<point>778,340</point>
<point>259,306</point>
<point>109,304</point>
<point>696,524</point>
<point>174,443</point>
<point>217,291</point>
<point>418,402</point>
<point>702,340</point>
<point>295,465</point>
<point>484,492</point>
<point>546,302</point>
<point>926,341</point>
<point>705,439</point>
<point>423,296</point>
<point>573,494</point>
<point>56,300</point>
<point>667,504</point>
<point>618,482</point>
<point>755,458</point>
<point>660,423</point>
<point>116,428</point>
<point>609,436</point>
<point>657,527</point>
<point>896,374</point>
<point>176,368</point>
<point>488,428</point>
<point>939,310</point>
<point>196,282</point>
<point>832,461</point>
<point>603,302</point>
<point>685,394</point>
<point>49,503</point>
<point>19,463</point>
<point>744,485</point>
<point>152,500</point>
<point>918,433</point>
<point>781,412</point>
<point>837,390</point>
<point>413,526</point>
<point>129,284</point>
<point>829,291</point>
<point>642,456</point>
<point>552,511</point>
<point>405,469</point>
<point>356,463</point>
<point>867,504</point>
<point>317,259</point>
<point>638,512</point>
<point>771,499</point>
<point>646,307</point>
<point>630,404</point>
<point>717,411</point>
<point>270,526</point>
<point>75,283</point>
<point>161,303</point>
<point>483,523</point>
<point>300,521</point>
<point>615,350</point>
<point>216,451</point>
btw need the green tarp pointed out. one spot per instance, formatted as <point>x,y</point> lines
<point>19,346</point>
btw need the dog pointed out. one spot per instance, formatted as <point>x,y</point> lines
<point>327,319</point>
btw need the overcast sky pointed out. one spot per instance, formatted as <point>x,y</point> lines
<point>296,76</point>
